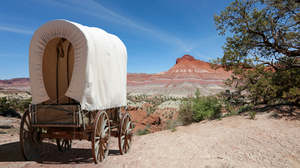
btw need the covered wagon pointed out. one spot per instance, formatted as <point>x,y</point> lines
<point>78,86</point>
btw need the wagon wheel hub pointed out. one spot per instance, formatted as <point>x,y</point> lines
<point>103,137</point>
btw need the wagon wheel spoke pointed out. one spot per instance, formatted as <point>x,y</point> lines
<point>99,127</point>
<point>103,126</point>
<point>27,124</point>
<point>99,154</point>
<point>64,144</point>
<point>28,154</point>
<point>128,124</point>
<point>29,119</point>
<point>102,151</point>
<point>106,129</point>
<point>127,145</point>
<point>124,145</point>
<point>105,147</point>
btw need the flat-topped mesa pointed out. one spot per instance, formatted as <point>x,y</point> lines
<point>185,57</point>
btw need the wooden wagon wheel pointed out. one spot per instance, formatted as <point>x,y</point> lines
<point>100,137</point>
<point>125,134</point>
<point>64,144</point>
<point>29,138</point>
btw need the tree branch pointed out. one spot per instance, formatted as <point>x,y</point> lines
<point>269,63</point>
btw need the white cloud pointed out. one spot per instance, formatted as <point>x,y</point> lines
<point>95,9</point>
<point>15,30</point>
<point>203,56</point>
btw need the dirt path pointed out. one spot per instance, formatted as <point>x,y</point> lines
<point>231,142</point>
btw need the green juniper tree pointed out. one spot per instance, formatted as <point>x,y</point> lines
<point>263,51</point>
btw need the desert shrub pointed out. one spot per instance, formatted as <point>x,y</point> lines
<point>150,110</point>
<point>186,113</point>
<point>206,107</point>
<point>199,108</point>
<point>171,116</point>
<point>233,112</point>
<point>171,124</point>
<point>11,113</point>
<point>143,132</point>
<point>245,108</point>
<point>4,105</point>
<point>23,104</point>
<point>252,114</point>
<point>241,109</point>
<point>275,115</point>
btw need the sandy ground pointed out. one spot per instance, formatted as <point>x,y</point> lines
<point>236,141</point>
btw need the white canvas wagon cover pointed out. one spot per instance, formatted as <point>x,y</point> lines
<point>69,62</point>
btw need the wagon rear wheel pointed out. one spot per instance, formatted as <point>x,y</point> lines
<point>29,138</point>
<point>100,137</point>
<point>125,134</point>
<point>64,144</point>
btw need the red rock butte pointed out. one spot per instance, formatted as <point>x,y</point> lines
<point>181,80</point>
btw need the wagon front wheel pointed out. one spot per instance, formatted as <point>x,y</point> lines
<point>29,138</point>
<point>125,134</point>
<point>64,144</point>
<point>100,137</point>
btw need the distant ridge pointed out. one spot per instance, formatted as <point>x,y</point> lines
<point>15,82</point>
<point>180,81</point>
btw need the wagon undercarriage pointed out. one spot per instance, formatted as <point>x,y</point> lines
<point>95,126</point>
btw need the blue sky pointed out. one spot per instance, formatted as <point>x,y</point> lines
<point>155,32</point>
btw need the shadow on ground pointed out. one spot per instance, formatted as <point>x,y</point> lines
<point>282,111</point>
<point>11,152</point>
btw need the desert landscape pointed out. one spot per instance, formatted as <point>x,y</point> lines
<point>271,139</point>
<point>96,83</point>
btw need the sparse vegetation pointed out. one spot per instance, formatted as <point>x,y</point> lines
<point>252,114</point>
<point>199,108</point>
<point>171,124</point>
<point>241,109</point>
<point>148,126</point>
<point>155,101</point>
<point>143,132</point>
<point>10,106</point>
<point>274,115</point>
<point>171,116</point>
